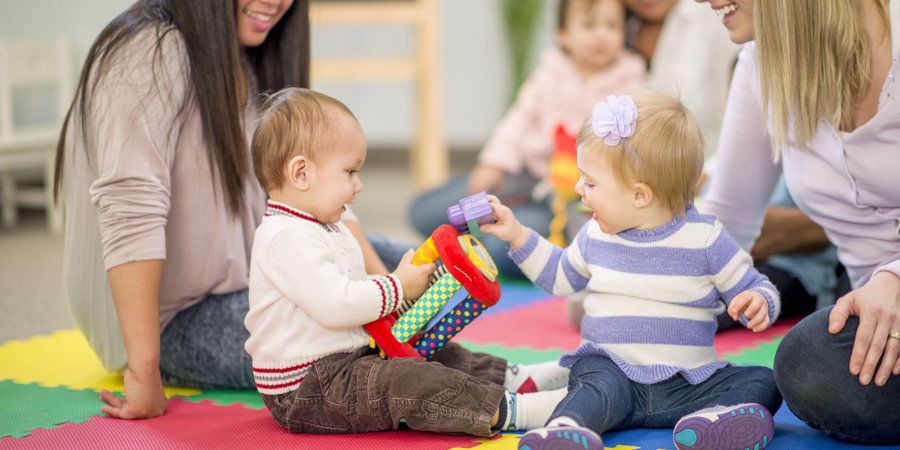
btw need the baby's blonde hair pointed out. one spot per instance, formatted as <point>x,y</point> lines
<point>294,122</point>
<point>665,152</point>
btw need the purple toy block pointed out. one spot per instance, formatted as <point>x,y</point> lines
<point>472,208</point>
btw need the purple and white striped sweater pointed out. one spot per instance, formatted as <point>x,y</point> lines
<point>653,295</point>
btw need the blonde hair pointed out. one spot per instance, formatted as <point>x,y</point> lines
<point>665,152</point>
<point>813,64</point>
<point>293,122</point>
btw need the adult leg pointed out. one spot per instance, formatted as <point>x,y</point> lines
<point>429,210</point>
<point>812,369</point>
<point>203,346</point>
<point>389,250</point>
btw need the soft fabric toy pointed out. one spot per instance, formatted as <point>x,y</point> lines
<point>440,312</point>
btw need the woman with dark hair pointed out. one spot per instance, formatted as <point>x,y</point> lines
<point>161,202</point>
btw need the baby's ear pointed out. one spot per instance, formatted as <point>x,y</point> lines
<point>642,195</point>
<point>299,170</point>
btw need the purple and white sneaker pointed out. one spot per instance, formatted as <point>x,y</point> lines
<point>744,426</point>
<point>561,438</point>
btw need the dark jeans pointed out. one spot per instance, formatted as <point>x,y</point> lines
<point>457,392</point>
<point>429,211</point>
<point>602,398</point>
<point>203,346</point>
<point>812,369</point>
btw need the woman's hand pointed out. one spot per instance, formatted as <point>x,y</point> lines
<point>877,303</point>
<point>144,397</point>
<point>485,178</point>
<point>507,227</point>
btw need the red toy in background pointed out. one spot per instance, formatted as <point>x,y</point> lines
<point>563,175</point>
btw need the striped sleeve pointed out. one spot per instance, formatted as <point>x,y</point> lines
<point>391,293</point>
<point>551,268</point>
<point>732,272</point>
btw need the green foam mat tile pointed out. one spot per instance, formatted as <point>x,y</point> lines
<point>761,355</point>
<point>26,407</point>
<point>226,397</point>
<point>515,355</point>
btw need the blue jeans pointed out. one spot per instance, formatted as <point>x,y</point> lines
<point>389,250</point>
<point>812,369</point>
<point>203,346</point>
<point>429,211</point>
<point>602,398</point>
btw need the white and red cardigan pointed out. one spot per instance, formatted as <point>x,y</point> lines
<point>309,296</point>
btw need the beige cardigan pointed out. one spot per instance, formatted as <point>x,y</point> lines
<point>138,193</point>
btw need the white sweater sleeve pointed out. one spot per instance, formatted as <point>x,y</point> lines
<point>303,268</point>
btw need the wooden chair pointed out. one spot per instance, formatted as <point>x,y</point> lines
<point>429,162</point>
<point>31,66</point>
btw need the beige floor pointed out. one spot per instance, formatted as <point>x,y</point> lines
<point>31,291</point>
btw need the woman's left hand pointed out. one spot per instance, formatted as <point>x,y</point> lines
<point>877,303</point>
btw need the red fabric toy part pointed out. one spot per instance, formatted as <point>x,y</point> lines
<point>446,242</point>
<point>380,330</point>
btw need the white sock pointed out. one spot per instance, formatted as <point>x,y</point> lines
<point>530,411</point>
<point>546,376</point>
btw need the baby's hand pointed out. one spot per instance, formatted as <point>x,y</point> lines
<point>507,227</point>
<point>754,307</point>
<point>413,278</point>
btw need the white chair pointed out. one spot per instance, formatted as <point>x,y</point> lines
<point>429,160</point>
<point>31,66</point>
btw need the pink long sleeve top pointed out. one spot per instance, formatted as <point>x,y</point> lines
<point>555,93</point>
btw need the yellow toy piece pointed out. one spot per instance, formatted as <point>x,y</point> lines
<point>426,253</point>
<point>479,256</point>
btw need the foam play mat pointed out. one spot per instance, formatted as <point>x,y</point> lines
<point>49,393</point>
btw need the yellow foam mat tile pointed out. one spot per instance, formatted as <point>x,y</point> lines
<point>504,442</point>
<point>63,358</point>
<point>509,442</point>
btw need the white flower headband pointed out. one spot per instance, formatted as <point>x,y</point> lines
<point>614,119</point>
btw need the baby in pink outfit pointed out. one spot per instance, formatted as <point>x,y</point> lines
<point>589,64</point>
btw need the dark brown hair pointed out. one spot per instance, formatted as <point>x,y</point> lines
<point>218,79</point>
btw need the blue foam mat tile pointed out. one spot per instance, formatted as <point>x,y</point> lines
<point>790,434</point>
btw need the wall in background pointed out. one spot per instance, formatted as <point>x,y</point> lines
<point>475,63</point>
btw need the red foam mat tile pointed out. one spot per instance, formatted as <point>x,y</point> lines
<point>544,325</point>
<point>205,425</point>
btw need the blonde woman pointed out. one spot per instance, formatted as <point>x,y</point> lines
<point>817,94</point>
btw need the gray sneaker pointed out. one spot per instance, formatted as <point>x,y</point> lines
<point>748,425</point>
<point>561,438</point>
